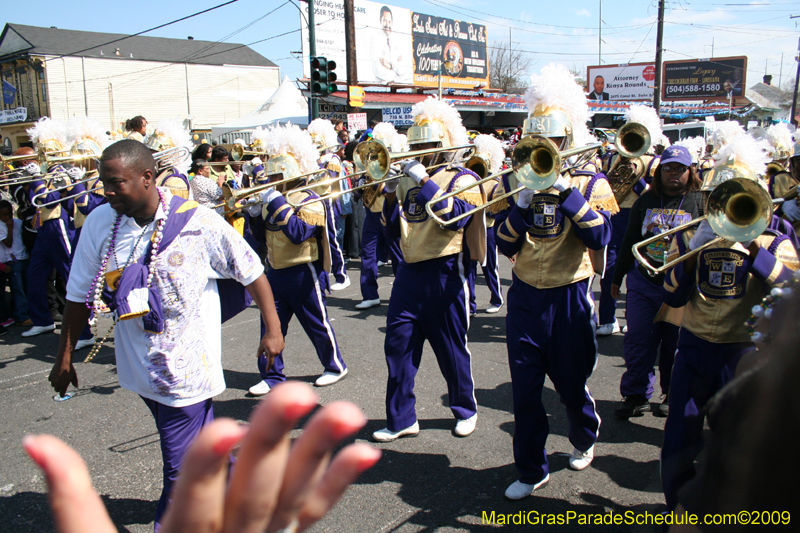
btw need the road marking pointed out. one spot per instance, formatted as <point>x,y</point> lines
<point>24,376</point>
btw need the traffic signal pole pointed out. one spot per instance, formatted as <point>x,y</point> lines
<point>312,52</point>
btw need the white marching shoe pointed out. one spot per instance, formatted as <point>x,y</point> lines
<point>608,329</point>
<point>369,304</point>
<point>580,460</point>
<point>385,435</point>
<point>466,426</point>
<point>341,286</point>
<point>260,388</point>
<point>519,490</point>
<point>38,330</point>
<point>81,344</point>
<point>494,309</point>
<point>329,378</point>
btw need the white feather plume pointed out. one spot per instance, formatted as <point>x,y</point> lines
<point>746,152</point>
<point>324,128</point>
<point>647,117</point>
<point>555,88</point>
<point>387,134</point>
<point>695,145</point>
<point>47,129</point>
<point>174,130</point>
<point>259,134</point>
<point>291,140</point>
<point>492,148</point>
<point>80,128</point>
<point>724,132</point>
<point>434,109</point>
<point>403,139</point>
<point>780,137</point>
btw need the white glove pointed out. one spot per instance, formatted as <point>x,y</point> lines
<point>391,186</point>
<point>525,197</point>
<point>703,235</point>
<point>562,184</point>
<point>256,161</point>
<point>415,170</point>
<point>268,195</point>
<point>247,169</point>
<point>791,210</point>
<point>75,173</point>
<point>33,169</point>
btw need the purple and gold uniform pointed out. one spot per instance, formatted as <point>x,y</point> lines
<point>374,240</point>
<point>719,293</point>
<point>645,166</point>
<point>430,296</point>
<point>333,165</point>
<point>550,327</point>
<point>490,268</point>
<point>297,252</point>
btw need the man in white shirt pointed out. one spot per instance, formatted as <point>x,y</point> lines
<point>387,61</point>
<point>178,370</point>
<point>14,254</point>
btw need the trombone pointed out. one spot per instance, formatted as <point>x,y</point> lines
<point>44,159</point>
<point>739,209</point>
<point>238,153</point>
<point>232,196</point>
<point>97,187</point>
<point>537,163</point>
<point>377,161</point>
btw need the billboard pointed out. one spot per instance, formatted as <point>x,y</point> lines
<point>454,48</point>
<point>389,50</point>
<point>628,82</point>
<point>704,79</point>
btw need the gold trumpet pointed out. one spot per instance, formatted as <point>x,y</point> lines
<point>537,163</point>
<point>238,153</point>
<point>739,209</point>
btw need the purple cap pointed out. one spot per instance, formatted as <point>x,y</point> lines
<point>676,154</point>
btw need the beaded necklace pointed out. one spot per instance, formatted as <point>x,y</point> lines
<point>94,299</point>
<point>764,309</point>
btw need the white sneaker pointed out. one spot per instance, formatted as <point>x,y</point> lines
<point>608,329</point>
<point>384,435</point>
<point>84,343</point>
<point>625,329</point>
<point>494,309</point>
<point>369,304</point>
<point>329,378</point>
<point>519,490</point>
<point>580,460</point>
<point>466,426</point>
<point>260,388</point>
<point>38,330</point>
<point>381,263</point>
<point>342,285</point>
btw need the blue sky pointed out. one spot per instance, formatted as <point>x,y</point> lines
<point>564,32</point>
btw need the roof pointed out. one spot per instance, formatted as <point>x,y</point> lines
<point>18,39</point>
<point>769,97</point>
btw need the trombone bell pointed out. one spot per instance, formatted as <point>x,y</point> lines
<point>536,162</point>
<point>633,140</point>
<point>478,164</point>
<point>739,209</point>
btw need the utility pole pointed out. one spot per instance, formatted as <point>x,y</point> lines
<point>792,119</point>
<point>600,35</point>
<point>312,52</point>
<point>659,41</point>
<point>350,45</point>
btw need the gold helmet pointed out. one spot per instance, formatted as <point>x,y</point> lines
<point>323,134</point>
<point>291,152</point>
<point>557,106</point>
<point>168,134</point>
<point>435,121</point>
<point>50,135</point>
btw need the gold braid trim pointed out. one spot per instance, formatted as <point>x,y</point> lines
<point>309,217</point>
<point>471,197</point>
<point>499,206</point>
<point>605,204</point>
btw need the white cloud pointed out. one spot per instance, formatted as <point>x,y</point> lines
<point>583,13</point>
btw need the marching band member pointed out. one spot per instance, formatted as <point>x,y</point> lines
<point>169,134</point>
<point>430,295</point>
<point>86,136</point>
<point>490,147</point>
<point>672,199</point>
<point>327,142</point>
<point>719,287</point>
<point>784,171</point>
<point>641,171</point>
<point>55,235</point>
<point>298,256</point>
<point>373,236</point>
<point>550,327</point>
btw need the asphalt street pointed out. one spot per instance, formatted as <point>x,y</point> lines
<point>435,482</point>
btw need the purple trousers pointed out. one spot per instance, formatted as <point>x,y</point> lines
<point>608,306</point>
<point>550,333</point>
<point>373,248</point>
<point>337,255</point>
<point>491,272</point>
<point>429,301</point>
<point>643,339</point>
<point>701,369</point>
<point>299,291</point>
<point>177,429</point>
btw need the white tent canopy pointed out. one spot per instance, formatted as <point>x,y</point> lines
<point>287,104</point>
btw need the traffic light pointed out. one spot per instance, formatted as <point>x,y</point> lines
<point>323,77</point>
